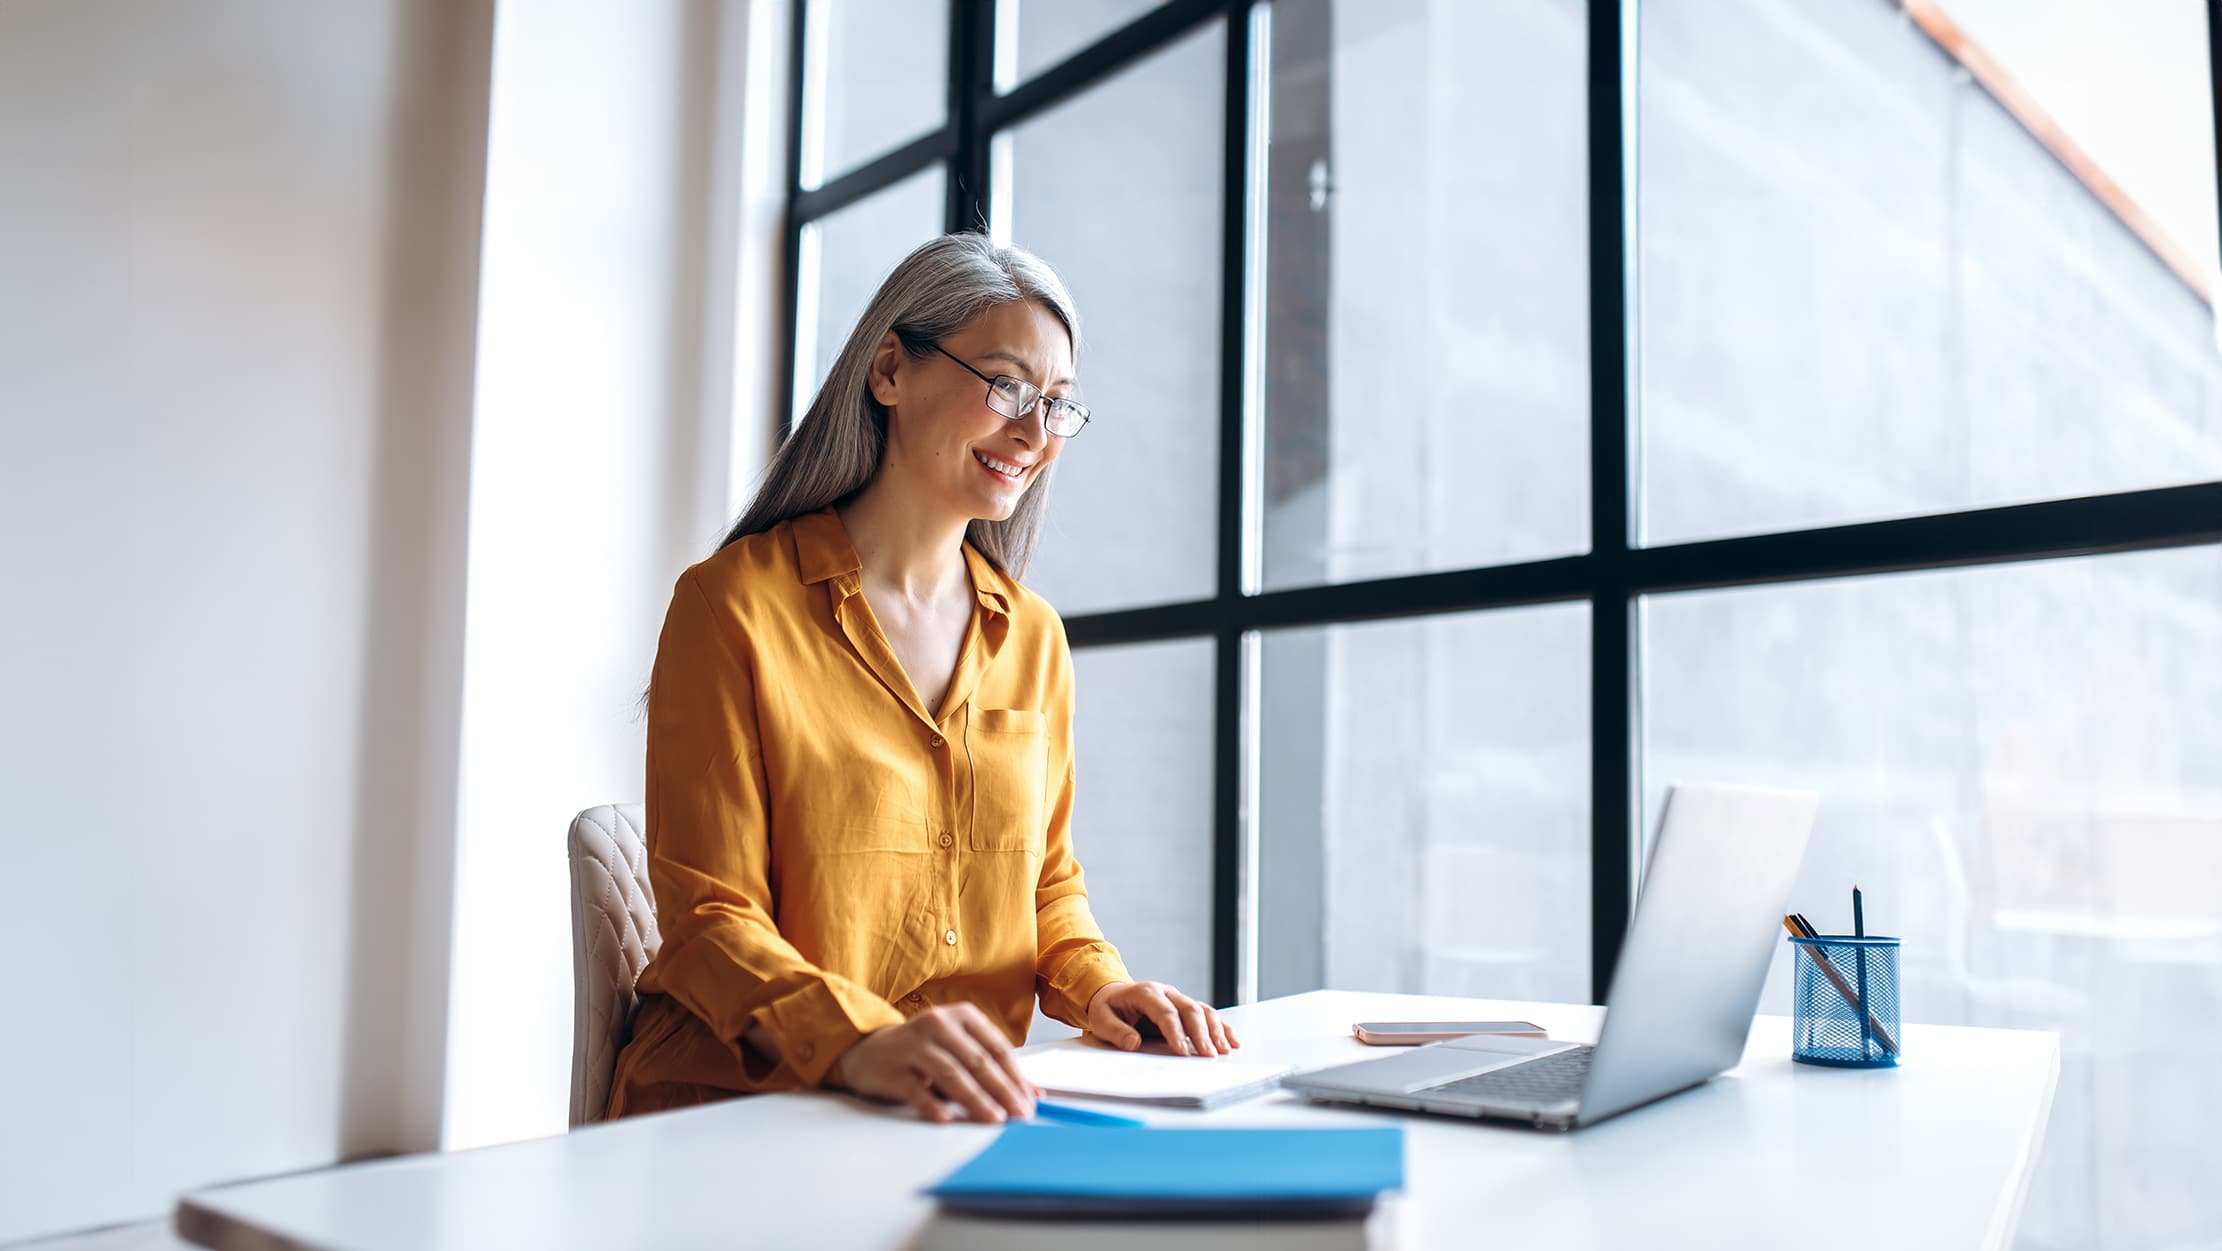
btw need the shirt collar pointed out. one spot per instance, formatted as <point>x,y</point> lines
<point>822,547</point>
<point>988,582</point>
<point>823,552</point>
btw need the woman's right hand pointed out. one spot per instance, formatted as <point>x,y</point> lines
<point>951,1052</point>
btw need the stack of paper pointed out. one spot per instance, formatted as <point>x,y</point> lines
<point>1170,1081</point>
<point>947,1231</point>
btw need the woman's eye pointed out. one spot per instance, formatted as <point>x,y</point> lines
<point>1011,387</point>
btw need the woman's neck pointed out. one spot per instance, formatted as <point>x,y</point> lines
<point>908,549</point>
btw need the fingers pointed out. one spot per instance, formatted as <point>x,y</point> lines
<point>994,1064</point>
<point>1219,1032</point>
<point>1194,1018</point>
<point>1114,1029</point>
<point>919,1094</point>
<point>950,1054</point>
<point>967,1057</point>
<point>1159,1008</point>
<point>954,1080</point>
<point>1190,1026</point>
<point>984,1033</point>
<point>1108,1021</point>
<point>1122,1035</point>
<point>1197,1019</point>
<point>1008,1090</point>
<point>1005,1090</point>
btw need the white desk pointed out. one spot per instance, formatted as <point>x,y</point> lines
<point>1936,1153</point>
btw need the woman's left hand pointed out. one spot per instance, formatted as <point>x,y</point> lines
<point>1190,1028</point>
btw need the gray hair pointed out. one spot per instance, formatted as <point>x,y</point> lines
<point>836,448</point>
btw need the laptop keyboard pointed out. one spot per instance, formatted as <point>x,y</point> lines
<point>1554,1078</point>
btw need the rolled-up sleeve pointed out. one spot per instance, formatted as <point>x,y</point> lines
<point>709,850</point>
<point>1073,960</point>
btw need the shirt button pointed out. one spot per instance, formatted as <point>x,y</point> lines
<point>949,937</point>
<point>947,839</point>
<point>804,1052</point>
<point>934,742</point>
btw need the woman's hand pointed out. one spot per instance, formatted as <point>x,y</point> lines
<point>950,1052</point>
<point>1191,1028</point>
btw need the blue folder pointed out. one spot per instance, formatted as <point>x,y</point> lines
<point>1088,1171</point>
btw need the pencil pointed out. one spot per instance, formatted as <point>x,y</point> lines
<point>1859,957</point>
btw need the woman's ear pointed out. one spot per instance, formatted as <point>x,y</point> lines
<point>886,358</point>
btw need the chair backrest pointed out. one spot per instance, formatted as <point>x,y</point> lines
<point>613,936</point>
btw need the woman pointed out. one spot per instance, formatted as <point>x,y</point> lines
<point>860,773</point>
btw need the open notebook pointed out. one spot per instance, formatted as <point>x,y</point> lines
<point>1085,1072</point>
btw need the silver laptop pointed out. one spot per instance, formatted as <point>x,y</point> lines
<point>1682,998</point>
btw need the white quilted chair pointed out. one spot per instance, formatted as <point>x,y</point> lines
<point>613,934</point>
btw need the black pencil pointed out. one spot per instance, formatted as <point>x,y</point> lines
<point>1859,956</point>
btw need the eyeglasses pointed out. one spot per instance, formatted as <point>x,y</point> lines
<point>1016,397</point>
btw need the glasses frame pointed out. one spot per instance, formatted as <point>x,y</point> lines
<point>1054,402</point>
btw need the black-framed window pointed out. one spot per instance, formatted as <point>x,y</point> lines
<point>1507,409</point>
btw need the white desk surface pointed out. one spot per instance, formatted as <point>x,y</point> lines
<point>1935,1153</point>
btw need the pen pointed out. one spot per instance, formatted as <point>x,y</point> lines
<point>1859,930</point>
<point>1047,1111</point>
<point>1798,925</point>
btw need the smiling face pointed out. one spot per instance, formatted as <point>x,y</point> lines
<point>944,444</point>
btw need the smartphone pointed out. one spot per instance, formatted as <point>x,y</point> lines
<point>1408,1033</point>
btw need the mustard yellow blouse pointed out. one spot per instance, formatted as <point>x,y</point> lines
<point>827,856</point>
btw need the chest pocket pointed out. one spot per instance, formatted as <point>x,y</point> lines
<point>1009,748</point>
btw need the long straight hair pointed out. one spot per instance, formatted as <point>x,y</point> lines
<point>836,449</point>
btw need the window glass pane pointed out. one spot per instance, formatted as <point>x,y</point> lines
<point>2021,767</point>
<point>875,77</point>
<point>1878,281</point>
<point>845,257</point>
<point>1142,825</point>
<point>1032,35</point>
<point>2106,75</point>
<point>1423,806</point>
<point>1426,389</point>
<point>1120,191</point>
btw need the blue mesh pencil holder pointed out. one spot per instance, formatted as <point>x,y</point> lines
<point>1846,1011</point>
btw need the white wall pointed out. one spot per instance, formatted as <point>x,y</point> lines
<point>276,759</point>
<point>237,261</point>
<point>600,466</point>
